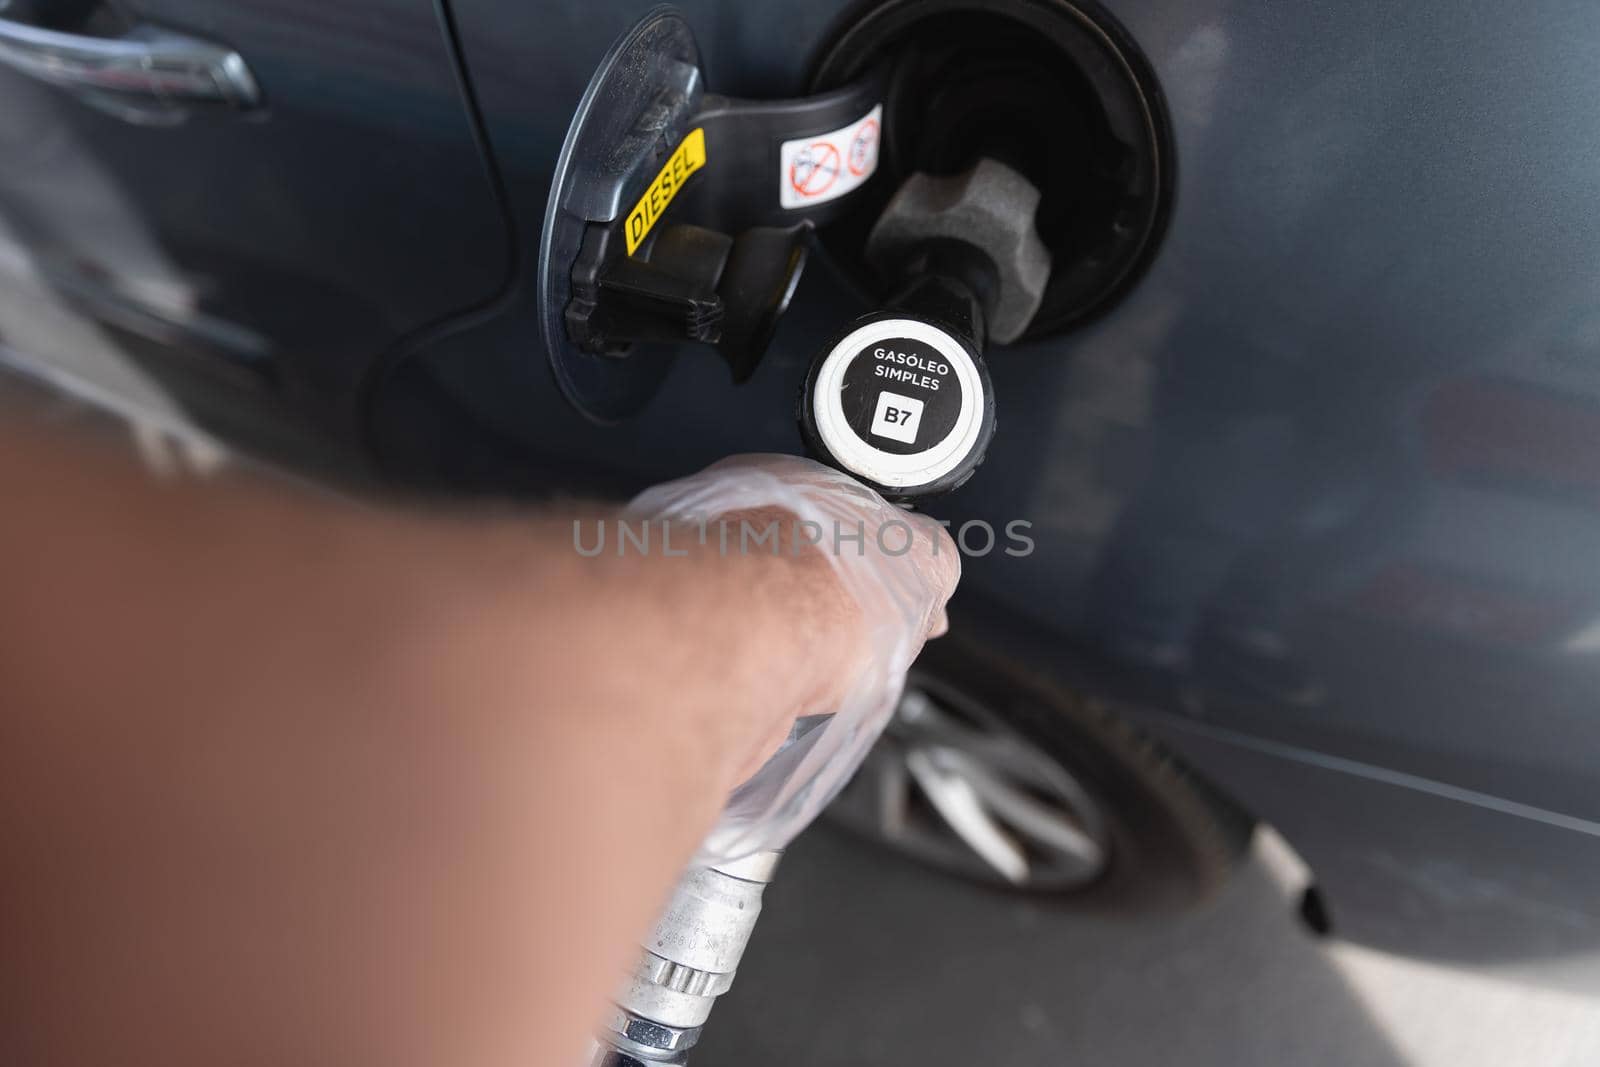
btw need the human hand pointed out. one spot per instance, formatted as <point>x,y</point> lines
<point>885,575</point>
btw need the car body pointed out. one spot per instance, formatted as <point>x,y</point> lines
<point>1316,502</point>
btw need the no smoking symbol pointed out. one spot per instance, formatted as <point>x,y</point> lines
<point>814,169</point>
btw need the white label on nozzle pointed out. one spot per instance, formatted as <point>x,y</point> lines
<point>899,402</point>
<point>814,170</point>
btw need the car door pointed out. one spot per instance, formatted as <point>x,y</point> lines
<point>226,213</point>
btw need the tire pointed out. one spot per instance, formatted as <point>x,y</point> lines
<point>1170,839</point>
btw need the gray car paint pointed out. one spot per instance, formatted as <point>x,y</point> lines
<point>1317,500</point>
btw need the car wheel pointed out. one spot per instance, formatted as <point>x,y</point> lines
<point>994,774</point>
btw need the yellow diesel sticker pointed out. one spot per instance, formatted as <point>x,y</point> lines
<point>688,157</point>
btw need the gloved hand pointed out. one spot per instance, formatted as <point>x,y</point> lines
<point>896,567</point>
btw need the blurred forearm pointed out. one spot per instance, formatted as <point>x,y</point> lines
<point>288,780</point>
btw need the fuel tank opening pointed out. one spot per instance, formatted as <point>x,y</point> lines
<point>1057,92</point>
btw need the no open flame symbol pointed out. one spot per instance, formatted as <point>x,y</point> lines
<point>864,148</point>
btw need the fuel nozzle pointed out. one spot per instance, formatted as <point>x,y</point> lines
<point>686,963</point>
<point>901,398</point>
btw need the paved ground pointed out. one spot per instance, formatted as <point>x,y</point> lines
<point>863,959</point>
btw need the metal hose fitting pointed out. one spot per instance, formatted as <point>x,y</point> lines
<point>686,963</point>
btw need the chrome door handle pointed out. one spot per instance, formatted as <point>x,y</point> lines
<point>143,66</point>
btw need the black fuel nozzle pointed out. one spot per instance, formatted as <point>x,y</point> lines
<point>951,283</point>
<point>975,228</point>
<point>901,399</point>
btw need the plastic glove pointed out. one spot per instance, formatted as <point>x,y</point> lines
<point>899,574</point>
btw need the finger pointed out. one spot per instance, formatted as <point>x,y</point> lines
<point>943,559</point>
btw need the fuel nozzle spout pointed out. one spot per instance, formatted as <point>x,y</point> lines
<point>975,229</point>
<point>901,399</point>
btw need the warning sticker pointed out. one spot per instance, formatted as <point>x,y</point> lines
<point>688,157</point>
<point>814,170</point>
